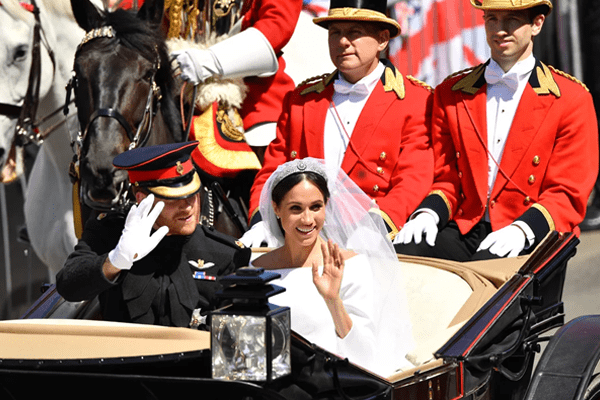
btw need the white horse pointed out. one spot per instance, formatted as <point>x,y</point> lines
<point>48,207</point>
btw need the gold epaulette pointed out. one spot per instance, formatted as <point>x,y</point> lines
<point>461,72</point>
<point>570,77</point>
<point>419,82</point>
<point>317,83</point>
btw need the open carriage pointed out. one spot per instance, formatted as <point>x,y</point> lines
<point>476,327</point>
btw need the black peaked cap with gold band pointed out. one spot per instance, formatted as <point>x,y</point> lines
<point>165,170</point>
<point>359,10</point>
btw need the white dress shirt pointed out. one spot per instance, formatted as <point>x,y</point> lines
<point>349,100</point>
<point>504,91</point>
<point>503,98</point>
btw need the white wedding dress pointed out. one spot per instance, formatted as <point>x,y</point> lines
<point>312,319</point>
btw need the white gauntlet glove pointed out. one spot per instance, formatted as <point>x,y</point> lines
<point>136,242</point>
<point>247,53</point>
<point>508,240</point>
<point>424,223</point>
<point>256,235</point>
<point>197,65</point>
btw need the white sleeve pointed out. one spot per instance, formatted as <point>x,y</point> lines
<point>357,293</point>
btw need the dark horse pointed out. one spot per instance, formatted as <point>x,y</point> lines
<point>124,92</point>
<point>126,97</point>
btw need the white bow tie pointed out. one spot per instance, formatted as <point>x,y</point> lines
<point>510,79</point>
<point>343,87</point>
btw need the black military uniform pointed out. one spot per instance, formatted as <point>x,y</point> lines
<point>165,287</point>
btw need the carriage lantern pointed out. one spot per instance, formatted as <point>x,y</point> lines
<point>250,340</point>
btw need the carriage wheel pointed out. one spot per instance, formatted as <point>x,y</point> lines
<point>593,390</point>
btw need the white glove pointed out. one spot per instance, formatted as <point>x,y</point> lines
<point>248,53</point>
<point>256,235</point>
<point>423,223</point>
<point>136,242</point>
<point>197,65</point>
<point>508,240</point>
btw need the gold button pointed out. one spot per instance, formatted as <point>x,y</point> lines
<point>531,179</point>
<point>460,174</point>
<point>492,203</point>
<point>380,170</point>
<point>536,160</point>
<point>382,156</point>
<point>462,194</point>
<point>376,188</point>
<point>527,200</point>
<point>458,154</point>
<point>294,154</point>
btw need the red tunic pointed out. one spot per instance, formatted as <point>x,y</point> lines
<point>394,164</point>
<point>549,164</point>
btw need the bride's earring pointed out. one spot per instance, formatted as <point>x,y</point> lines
<point>278,217</point>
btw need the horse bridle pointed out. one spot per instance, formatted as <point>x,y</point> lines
<point>26,130</point>
<point>137,139</point>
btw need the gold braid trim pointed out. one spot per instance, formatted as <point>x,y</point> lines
<point>546,215</point>
<point>461,72</point>
<point>192,20</point>
<point>313,79</point>
<point>547,83</point>
<point>443,196</point>
<point>320,82</point>
<point>394,82</point>
<point>214,153</point>
<point>419,82</point>
<point>467,84</point>
<point>386,218</point>
<point>175,11</point>
<point>570,77</point>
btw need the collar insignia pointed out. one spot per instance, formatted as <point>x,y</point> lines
<point>394,81</point>
<point>470,83</point>
<point>320,84</point>
<point>547,84</point>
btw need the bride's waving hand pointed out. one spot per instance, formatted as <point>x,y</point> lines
<point>328,285</point>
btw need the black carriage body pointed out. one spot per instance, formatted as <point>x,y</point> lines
<point>505,329</point>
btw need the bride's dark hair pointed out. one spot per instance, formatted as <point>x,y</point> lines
<point>287,183</point>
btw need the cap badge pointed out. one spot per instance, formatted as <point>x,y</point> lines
<point>179,168</point>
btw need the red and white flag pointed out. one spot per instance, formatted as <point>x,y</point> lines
<point>439,37</point>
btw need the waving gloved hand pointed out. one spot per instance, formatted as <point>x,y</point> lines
<point>423,223</point>
<point>255,236</point>
<point>136,240</point>
<point>508,240</point>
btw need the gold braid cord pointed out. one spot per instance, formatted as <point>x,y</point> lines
<point>174,9</point>
<point>570,77</point>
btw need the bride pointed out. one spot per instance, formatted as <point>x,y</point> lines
<point>340,271</point>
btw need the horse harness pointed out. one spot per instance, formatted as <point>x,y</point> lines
<point>139,138</point>
<point>26,130</point>
<point>136,139</point>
